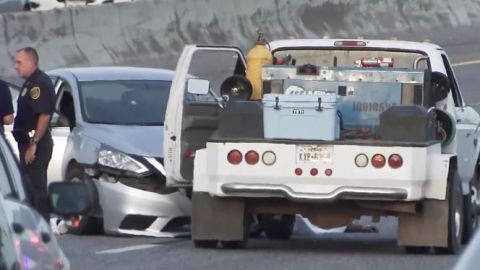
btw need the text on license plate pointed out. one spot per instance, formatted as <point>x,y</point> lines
<point>314,153</point>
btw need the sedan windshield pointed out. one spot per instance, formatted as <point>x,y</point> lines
<point>125,102</point>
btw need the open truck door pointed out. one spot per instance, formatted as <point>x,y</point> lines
<point>192,116</point>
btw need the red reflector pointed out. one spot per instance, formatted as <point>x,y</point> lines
<point>350,43</point>
<point>378,161</point>
<point>313,171</point>
<point>234,157</point>
<point>188,154</point>
<point>328,172</point>
<point>252,157</point>
<point>76,222</point>
<point>395,161</point>
<point>35,240</point>
<point>298,171</point>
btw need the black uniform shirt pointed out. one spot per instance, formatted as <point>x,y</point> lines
<point>6,106</point>
<point>37,96</point>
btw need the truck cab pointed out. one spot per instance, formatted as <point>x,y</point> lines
<point>362,127</point>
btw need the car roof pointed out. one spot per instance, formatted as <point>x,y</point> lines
<point>115,73</point>
<point>369,44</point>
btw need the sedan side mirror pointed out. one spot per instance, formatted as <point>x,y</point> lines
<point>69,199</point>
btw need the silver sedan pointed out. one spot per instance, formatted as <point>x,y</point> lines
<point>108,133</point>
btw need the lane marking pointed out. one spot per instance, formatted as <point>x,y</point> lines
<point>466,63</point>
<point>125,249</point>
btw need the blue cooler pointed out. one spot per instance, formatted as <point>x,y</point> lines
<point>308,117</point>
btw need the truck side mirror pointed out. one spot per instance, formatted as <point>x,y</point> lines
<point>69,199</point>
<point>198,86</point>
<point>440,86</point>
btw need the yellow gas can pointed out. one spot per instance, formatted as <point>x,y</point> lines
<point>258,56</point>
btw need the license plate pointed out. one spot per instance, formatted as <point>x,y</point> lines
<point>314,153</point>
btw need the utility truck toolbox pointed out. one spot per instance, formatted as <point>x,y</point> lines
<point>300,116</point>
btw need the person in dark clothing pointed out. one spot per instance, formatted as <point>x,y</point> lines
<point>6,106</point>
<point>35,106</point>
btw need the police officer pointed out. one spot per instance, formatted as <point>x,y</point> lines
<point>35,105</point>
<point>6,106</point>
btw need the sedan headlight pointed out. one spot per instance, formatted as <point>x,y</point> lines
<point>121,161</point>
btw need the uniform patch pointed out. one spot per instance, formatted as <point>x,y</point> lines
<point>35,92</point>
<point>24,91</point>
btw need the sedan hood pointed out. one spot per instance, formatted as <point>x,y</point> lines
<point>137,140</point>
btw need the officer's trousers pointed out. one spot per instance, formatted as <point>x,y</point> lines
<point>36,173</point>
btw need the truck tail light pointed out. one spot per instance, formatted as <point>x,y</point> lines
<point>189,154</point>
<point>269,158</point>
<point>361,160</point>
<point>328,172</point>
<point>314,172</point>
<point>378,161</point>
<point>395,161</point>
<point>251,157</point>
<point>234,157</point>
<point>298,171</point>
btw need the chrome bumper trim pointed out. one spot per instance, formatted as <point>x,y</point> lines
<point>347,193</point>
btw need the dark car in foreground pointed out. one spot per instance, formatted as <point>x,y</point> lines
<point>26,239</point>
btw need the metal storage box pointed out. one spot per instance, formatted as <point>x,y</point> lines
<point>308,117</point>
<point>408,124</point>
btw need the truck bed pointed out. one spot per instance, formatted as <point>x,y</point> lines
<point>369,142</point>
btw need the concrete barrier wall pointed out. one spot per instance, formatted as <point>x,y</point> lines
<point>153,32</point>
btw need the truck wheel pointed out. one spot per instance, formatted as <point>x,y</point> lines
<point>455,216</point>
<point>234,244</point>
<point>417,250</point>
<point>205,243</point>
<point>278,227</point>
<point>84,224</point>
<point>470,203</point>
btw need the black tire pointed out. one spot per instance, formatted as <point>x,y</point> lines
<point>205,243</point>
<point>417,250</point>
<point>234,244</point>
<point>84,225</point>
<point>278,227</point>
<point>470,201</point>
<point>455,216</point>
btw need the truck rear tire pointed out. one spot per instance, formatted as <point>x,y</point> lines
<point>470,201</point>
<point>417,250</point>
<point>455,216</point>
<point>234,244</point>
<point>205,243</point>
<point>278,227</point>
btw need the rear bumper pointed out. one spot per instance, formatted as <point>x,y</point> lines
<point>423,174</point>
<point>128,210</point>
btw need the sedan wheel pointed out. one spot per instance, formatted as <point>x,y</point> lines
<point>83,224</point>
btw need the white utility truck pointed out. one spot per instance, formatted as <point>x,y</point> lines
<point>330,129</point>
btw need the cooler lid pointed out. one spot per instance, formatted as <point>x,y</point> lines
<point>326,98</point>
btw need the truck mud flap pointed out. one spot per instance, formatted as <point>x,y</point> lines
<point>428,227</point>
<point>215,218</point>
